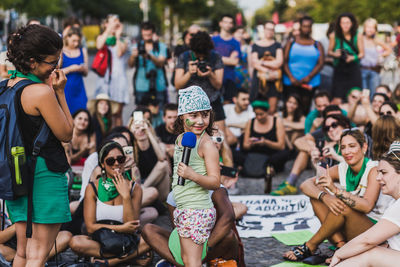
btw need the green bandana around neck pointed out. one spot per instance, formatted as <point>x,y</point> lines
<point>107,190</point>
<point>353,180</point>
<point>106,122</point>
<point>15,73</point>
<point>111,41</point>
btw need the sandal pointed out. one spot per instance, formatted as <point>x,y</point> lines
<point>300,252</point>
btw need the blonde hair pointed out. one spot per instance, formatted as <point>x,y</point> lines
<point>372,21</point>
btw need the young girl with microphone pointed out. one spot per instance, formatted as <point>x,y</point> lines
<point>194,216</point>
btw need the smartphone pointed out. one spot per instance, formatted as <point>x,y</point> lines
<point>321,170</point>
<point>137,116</point>
<point>254,139</point>
<point>365,92</point>
<point>228,171</point>
<point>128,150</point>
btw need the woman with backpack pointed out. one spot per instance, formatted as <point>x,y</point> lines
<point>304,59</point>
<point>35,51</point>
<point>347,50</point>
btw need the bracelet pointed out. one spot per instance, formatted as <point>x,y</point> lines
<point>321,194</point>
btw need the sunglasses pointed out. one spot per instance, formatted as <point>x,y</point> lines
<point>111,161</point>
<point>334,125</point>
<point>217,139</point>
<point>385,113</point>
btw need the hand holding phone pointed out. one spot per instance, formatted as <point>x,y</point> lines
<point>365,92</point>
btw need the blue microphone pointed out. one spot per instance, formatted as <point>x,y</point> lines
<point>188,142</point>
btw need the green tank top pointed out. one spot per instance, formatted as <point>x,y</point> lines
<point>342,44</point>
<point>191,195</point>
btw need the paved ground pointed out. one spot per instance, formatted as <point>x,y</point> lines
<point>258,251</point>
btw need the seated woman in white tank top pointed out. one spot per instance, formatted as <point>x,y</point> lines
<point>115,197</point>
<point>366,249</point>
<point>348,209</point>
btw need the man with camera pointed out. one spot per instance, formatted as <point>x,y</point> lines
<point>148,57</point>
<point>203,67</point>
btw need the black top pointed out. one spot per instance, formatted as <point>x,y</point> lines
<point>165,136</point>
<point>261,49</point>
<point>270,135</point>
<point>147,160</point>
<point>214,60</point>
<point>53,152</point>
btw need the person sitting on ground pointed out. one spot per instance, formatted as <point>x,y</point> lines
<point>293,120</point>
<point>314,118</point>
<point>385,130</point>
<point>102,110</point>
<point>372,109</point>
<point>384,89</point>
<point>344,210</point>
<point>154,106</point>
<point>305,145</point>
<point>151,158</point>
<point>92,170</point>
<point>237,115</point>
<point>367,249</point>
<point>355,111</point>
<point>264,140</point>
<point>111,202</point>
<point>224,239</point>
<point>165,131</point>
<point>390,109</point>
<point>83,141</point>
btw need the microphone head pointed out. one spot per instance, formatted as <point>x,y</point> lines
<point>189,140</point>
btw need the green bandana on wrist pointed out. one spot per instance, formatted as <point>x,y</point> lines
<point>30,76</point>
<point>353,180</point>
<point>111,41</point>
<point>107,190</point>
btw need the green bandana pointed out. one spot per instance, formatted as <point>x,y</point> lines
<point>30,76</point>
<point>353,180</point>
<point>107,190</point>
<point>260,104</point>
<point>106,122</point>
<point>111,41</point>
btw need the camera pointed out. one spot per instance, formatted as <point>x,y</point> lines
<point>152,77</point>
<point>344,54</point>
<point>141,49</point>
<point>202,65</point>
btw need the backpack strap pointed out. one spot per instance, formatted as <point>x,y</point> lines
<point>38,143</point>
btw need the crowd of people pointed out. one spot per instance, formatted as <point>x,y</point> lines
<point>252,107</point>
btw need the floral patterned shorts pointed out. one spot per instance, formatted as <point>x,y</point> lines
<point>195,223</point>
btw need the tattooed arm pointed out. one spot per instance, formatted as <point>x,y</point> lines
<point>365,203</point>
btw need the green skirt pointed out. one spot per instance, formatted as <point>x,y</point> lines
<point>50,198</point>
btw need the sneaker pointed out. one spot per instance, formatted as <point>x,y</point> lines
<point>284,189</point>
<point>164,263</point>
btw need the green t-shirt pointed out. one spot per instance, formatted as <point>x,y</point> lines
<point>351,49</point>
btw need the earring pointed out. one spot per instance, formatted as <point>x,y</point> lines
<point>103,174</point>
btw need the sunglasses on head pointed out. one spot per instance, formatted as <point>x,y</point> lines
<point>350,130</point>
<point>217,139</point>
<point>385,113</point>
<point>334,125</point>
<point>111,161</point>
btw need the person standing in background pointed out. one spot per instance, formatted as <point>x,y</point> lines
<point>229,48</point>
<point>115,85</point>
<point>304,58</point>
<point>74,63</point>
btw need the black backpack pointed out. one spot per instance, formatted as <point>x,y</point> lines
<point>16,169</point>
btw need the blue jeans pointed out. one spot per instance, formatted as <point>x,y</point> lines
<point>370,79</point>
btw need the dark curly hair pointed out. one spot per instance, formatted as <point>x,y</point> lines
<point>201,43</point>
<point>179,128</point>
<point>32,42</point>
<point>353,29</point>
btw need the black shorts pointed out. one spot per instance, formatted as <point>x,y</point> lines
<point>218,110</point>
